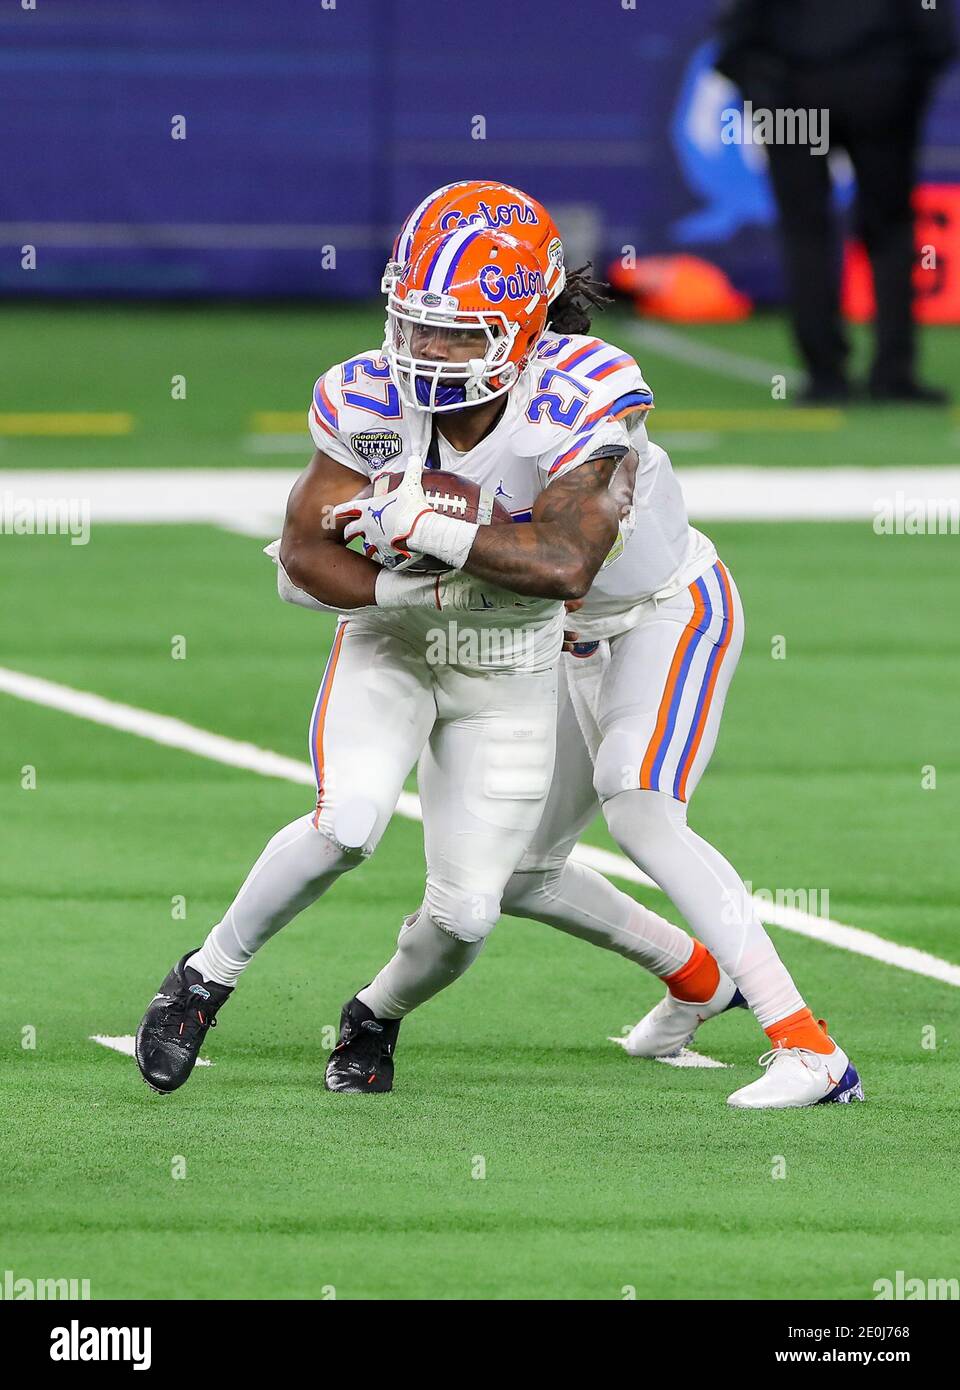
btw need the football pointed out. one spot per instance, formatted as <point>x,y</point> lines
<point>449,493</point>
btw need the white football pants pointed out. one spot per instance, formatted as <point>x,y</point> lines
<point>638,722</point>
<point>487,743</point>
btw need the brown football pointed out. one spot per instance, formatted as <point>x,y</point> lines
<point>451,494</point>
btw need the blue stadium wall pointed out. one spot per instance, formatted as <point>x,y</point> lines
<point>309,127</point>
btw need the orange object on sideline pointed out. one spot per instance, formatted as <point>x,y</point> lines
<point>799,1030</point>
<point>696,982</point>
<point>936,268</point>
<point>683,289</point>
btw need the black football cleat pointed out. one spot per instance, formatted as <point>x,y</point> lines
<point>172,1030</point>
<point>362,1061</point>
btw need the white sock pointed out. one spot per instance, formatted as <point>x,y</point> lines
<point>427,960</point>
<point>297,866</point>
<point>578,900</point>
<point>651,829</point>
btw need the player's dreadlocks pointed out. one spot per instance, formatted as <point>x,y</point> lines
<point>570,311</point>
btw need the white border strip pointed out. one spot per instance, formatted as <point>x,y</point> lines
<point>252,500</point>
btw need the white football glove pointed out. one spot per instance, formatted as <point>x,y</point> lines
<point>400,526</point>
<point>384,523</point>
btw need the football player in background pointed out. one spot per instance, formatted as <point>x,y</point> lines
<point>454,388</point>
<point>640,704</point>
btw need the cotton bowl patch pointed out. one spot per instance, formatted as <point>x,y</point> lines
<point>376,447</point>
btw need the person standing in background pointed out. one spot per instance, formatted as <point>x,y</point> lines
<point>871,64</point>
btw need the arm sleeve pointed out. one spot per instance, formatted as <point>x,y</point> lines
<point>286,588</point>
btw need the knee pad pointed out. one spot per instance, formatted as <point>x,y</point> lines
<point>354,822</point>
<point>618,762</point>
<point>468,917</point>
<point>354,825</point>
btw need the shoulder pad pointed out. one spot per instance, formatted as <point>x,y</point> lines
<point>361,385</point>
<point>357,406</point>
<point>572,390</point>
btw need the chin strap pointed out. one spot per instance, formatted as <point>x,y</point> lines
<point>477,367</point>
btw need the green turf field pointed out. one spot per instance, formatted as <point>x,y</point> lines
<point>241,362</point>
<point>601,1174</point>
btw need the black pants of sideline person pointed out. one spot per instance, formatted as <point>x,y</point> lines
<point>875,114</point>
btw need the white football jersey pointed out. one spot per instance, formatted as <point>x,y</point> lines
<point>661,552</point>
<point>554,420</point>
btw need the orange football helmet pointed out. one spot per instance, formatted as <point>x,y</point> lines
<point>463,317</point>
<point>496,206</point>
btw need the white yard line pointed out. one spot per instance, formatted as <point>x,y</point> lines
<point>252,500</point>
<point>239,498</point>
<point>809,494</point>
<point>126,1044</point>
<point>686,1057</point>
<point>692,352</point>
<point>862,943</point>
<point>175,733</point>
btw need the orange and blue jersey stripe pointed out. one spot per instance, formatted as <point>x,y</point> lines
<point>673,690</point>
<point>323,424</point>
<point>667,714</point>
<point>597,372</point>
<point>579,443</point>
<point>580,355</point>
<point>615,364</point>
<point>622,405</point>
<point>707,687</point>
<point>320,714</point>
<point>637,399</point>
<point>324,407</point>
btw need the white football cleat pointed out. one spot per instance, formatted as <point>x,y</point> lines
<point>671,1024</point>
<point>794,1077</point>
